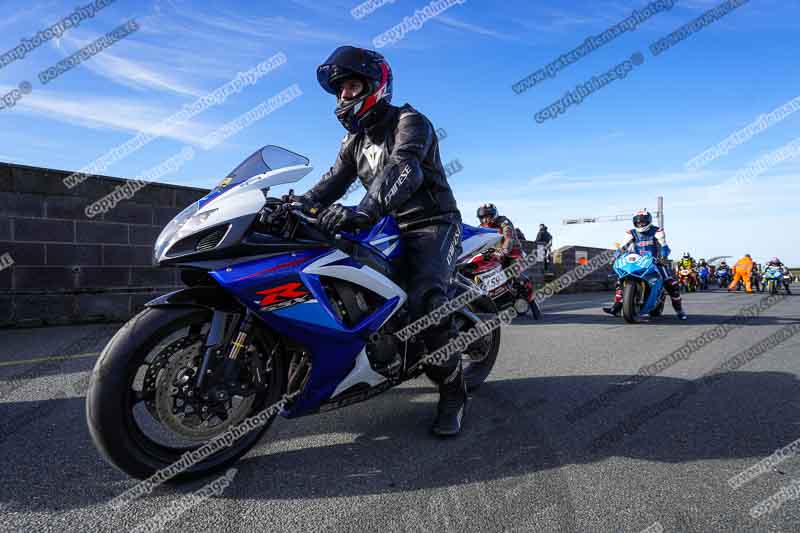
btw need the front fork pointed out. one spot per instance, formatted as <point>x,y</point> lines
<point>219,333</point>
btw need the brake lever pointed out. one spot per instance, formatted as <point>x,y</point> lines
<point>302,216</point>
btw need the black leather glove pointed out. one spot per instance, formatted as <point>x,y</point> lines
<point>337,218</point>
<point>492,253</point>
<point>307,205</point>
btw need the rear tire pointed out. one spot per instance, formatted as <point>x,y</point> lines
<point>110,399</point>
<point>476,372</point>
<point>630,304</point>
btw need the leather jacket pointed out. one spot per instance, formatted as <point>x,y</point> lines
<point>397,161</point>
<point>506,228</point>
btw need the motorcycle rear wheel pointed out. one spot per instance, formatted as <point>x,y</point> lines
<point>479,357</point>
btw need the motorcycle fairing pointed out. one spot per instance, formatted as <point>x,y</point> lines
<point>641,268</point>
<point>474,238</point>
<point>334,347</point>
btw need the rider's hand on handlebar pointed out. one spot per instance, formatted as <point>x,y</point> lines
<point>337,218</point>
<point>306,205</point>
<point>491,253</point>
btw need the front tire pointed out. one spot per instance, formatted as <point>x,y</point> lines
<point>630,303</point>
<point>126,442</point>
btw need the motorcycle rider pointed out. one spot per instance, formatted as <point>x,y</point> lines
<point>646,237</point>
<point>394,151</point>
<point>755,277</point>
<point>701,264</point>
<point>777,264</point>
<point>687,261</point>
<point>723,265</point>
<point>743,268</point>
<point>510,247</point>
<point>787,278</point>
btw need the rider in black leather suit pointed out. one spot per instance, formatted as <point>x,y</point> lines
<point>394,151</point>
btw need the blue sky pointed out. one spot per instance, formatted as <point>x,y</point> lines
<point>616,152</point>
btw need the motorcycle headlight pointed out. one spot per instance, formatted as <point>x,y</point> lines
<point>183,224</point>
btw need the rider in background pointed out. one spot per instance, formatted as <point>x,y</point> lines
<point>701,264</point>
<point>723,265</point>
<point>787,278</point>
<point>743,269</point>
<point>687,261</point>
<point>510,248</point>
<point>755,277</point>
<point>645,237</point>
<point>776,264</point>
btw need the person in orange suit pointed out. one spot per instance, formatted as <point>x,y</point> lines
<point>743,269</point>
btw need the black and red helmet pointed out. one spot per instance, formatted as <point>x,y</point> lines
<point>372,69</point>
<point>487,210</point>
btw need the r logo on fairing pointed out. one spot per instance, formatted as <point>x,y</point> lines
<point>282,296</point>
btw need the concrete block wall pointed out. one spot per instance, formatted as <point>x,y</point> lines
<point>69,268</point>
<point>601,279</point>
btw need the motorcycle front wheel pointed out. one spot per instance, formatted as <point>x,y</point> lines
<point>773,288</point>
<point>631,304</point>
<point>139,419</point>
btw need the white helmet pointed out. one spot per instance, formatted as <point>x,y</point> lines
<point>642,221</point>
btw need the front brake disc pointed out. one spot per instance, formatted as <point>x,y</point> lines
<point>186,416</point>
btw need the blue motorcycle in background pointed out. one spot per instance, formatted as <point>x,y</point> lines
<point>773,279</point>
<point>642,286</point>
<point>723,277</point>
<point>703,274</point>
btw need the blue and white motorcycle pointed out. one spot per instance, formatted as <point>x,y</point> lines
<point>271,312</point>
<point>642,286</point>
<point>773,279</point>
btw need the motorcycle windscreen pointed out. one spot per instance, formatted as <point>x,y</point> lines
<point>268,158</point>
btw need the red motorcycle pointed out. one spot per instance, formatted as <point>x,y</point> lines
<point>688,280</point>
<point>487,268</point>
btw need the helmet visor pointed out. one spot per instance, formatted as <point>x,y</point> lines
<point>486,212</point>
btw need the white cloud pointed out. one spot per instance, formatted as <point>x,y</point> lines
<point>545,178</point>
<point>108,113</point>
<point>277,28</point>
<point>474,28</point>
<point>131,73</point>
